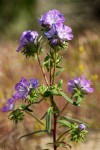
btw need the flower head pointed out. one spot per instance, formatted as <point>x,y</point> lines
<point>54,42</point>
<point>51,17</point>
<point>82,126</point>
<point>58,34</point>
<point>27,37</point>
<point>34,83</point>
<point>9,106</point>
<point>22,89</point>
<point>85,84</point>
<point>64,32</point>
<point>51,32</point>
<point>81,84</point>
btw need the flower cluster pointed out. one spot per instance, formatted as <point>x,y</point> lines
<point>56,32</point>
<point>22,90</point>
<point>80,84</point>
<point>82,126</point>
<point>79,87</point>
<point>78,132</point>
<point>51,17</point>
<point>28,43</point>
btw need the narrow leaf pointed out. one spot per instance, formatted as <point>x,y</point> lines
<point>72,120</point>
<point>66,97</point>
<point>32,133</point>
<point>65,123</point>
<point>58,72</point>
<point>48,119</point>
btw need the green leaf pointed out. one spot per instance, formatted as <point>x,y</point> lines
<point>46,60</point>
<point>42,89</point>
<point>32,96</point>
<point>26,107</point>
<point>65,123</point>
<point>72,120</point>
<point>51,92</point>
<point>47,94</point>
<point>32,133</point>
<point>60,83</point>
<point>48,119</point>
<point>58,66</point>
<point>66,97</point>
<point>58,72</point>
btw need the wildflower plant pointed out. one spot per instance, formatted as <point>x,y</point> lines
<point>32,93</point>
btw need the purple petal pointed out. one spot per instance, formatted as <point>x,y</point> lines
<point>9,105</point>
<point>24,82</point>
<point>34,82</point>
<point>64,32</point>
<point>11,100</point>
<point>51,33</point>
<point>82,126</point>
<point>54,42</point>
<point>51,17</point>
<point>27,37</point>
<point>5,108</point>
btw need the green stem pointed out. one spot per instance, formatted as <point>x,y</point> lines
<point>63,109</point>
<point>42,69</point>
<point>52,79</point>
<point>54,67</point>
<point>63,134</point>
<point>50,72</point>
<point>55,123</point>
<point>34,117</point>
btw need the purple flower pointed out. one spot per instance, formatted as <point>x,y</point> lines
<point>73,83</point>
<point>9,106</point>
<point>27,37</point>
<point>80,83</point>
<point>64,32</point>
<point>82,126</point>
<point>51,17</point>
<point>22,89</point>
<point>54,42</point>
<point>85,84</point>
<point>60,32</point>
<point>51,33</point>
<point>34,83</point>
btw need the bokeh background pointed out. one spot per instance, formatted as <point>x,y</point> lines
<point>81,57</point>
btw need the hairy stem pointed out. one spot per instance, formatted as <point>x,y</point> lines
<point>63,108</point>
<point>42,69</point>
<point>55,123</point>
<point>54,70</point>
<point>52,79</point>
<point>50,72</point>
<point>54,131</point>
<point>63,134</point>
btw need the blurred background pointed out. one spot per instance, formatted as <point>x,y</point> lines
<point>81,57</point>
